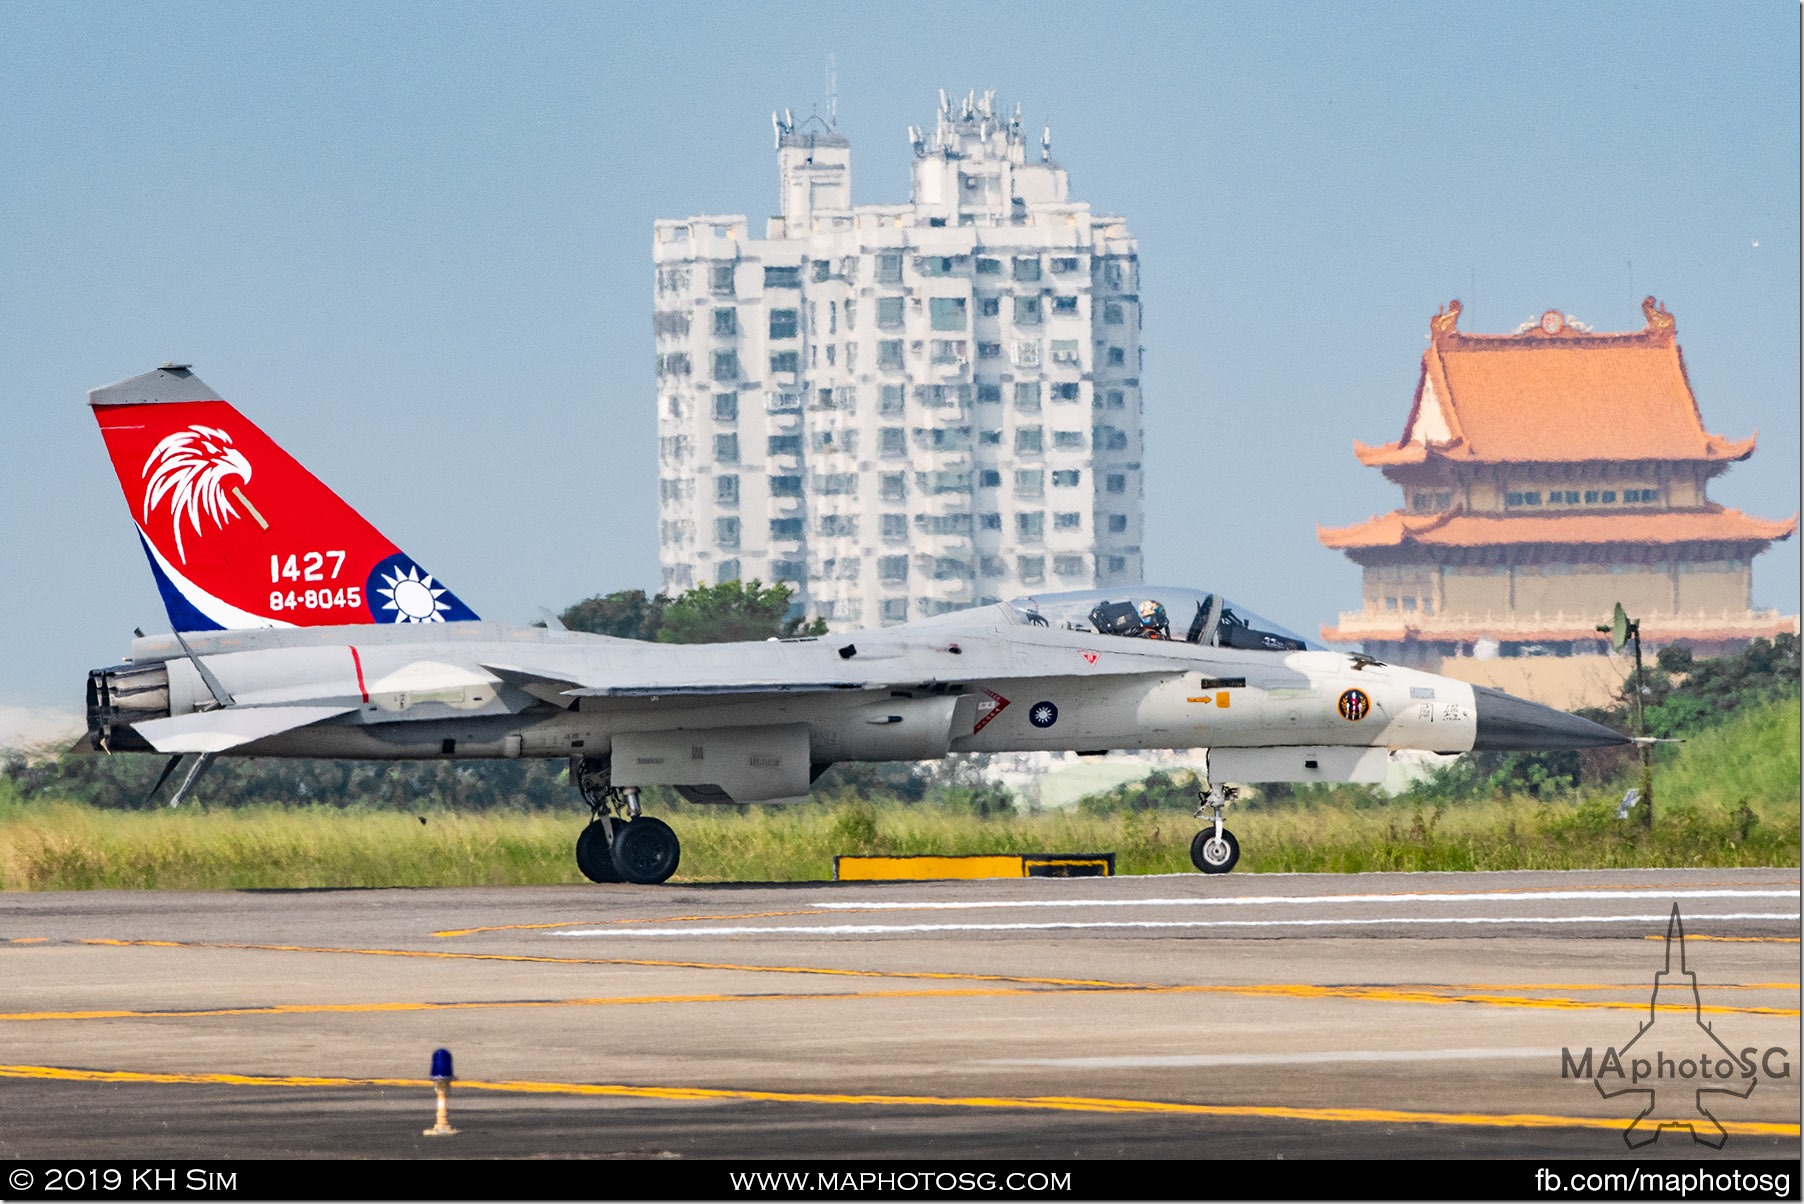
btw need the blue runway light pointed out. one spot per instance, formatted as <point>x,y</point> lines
<point>441,1064</point>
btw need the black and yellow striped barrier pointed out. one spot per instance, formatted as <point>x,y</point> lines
<point>975,865</point>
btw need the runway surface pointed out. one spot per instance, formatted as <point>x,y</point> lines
<point>1245,1016</point>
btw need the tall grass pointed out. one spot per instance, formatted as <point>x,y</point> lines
<point>1728,798</point>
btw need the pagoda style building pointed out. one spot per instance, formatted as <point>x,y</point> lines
<point>1547,475</point>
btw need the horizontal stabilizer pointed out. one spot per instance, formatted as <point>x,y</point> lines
<point>216,731</point>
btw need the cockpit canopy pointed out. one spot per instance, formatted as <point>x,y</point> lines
<point>1154,612</point>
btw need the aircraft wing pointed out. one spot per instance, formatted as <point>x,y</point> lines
<point>216,731</point>
<point>743,672</point>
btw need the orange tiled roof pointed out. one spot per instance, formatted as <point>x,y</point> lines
<point>1655,629</point>
<point>1458,529</point>
<point>1554,393</point>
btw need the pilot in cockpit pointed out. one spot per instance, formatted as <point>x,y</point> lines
<point>1153,623</point>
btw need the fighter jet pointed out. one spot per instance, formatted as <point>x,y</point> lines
<point>299,630</point>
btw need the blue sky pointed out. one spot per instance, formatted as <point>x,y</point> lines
<point>413,243</point>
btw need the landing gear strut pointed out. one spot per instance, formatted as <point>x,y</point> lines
<point>620,845</point>
<point>1214,850</point>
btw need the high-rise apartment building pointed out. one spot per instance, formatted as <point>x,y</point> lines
<point>902,409</point>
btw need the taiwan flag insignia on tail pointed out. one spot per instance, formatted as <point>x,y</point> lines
<point>237,532</point>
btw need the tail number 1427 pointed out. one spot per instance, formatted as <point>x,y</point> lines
<point>305,566</point>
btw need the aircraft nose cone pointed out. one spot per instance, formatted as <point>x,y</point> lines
<point>1508,723</point>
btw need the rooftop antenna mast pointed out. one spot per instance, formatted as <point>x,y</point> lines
<point>832,94</point>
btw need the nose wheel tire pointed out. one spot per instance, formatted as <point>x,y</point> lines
<point>1214,854</point>
<point>593,857</point>
<point>645,850</point>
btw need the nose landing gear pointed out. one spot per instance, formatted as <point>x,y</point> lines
<point>1214,850</point>
<point>620,845</point>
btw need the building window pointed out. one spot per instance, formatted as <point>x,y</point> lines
<point>834,483</point>
<point>1070,520</point>
<point>783,277</point>
<point>892,570</point>
<point>789,570</point>
<point>892,486</point>
<point>786,486</point>
<point>1068,566</point>
<point>726,365</point>
<point>1526,497</point>
<point>1111,313</point>
<point>1064,305</point>
<point>1065,478</point>
<point>726,449</point>
<point>948,351</point>
<point>895,610</point>
<point>989,351</point>
<point>726,407</point>
<point>946,313</point>
<point>889,353</point>
<point>889,267</point>
<point>727,570</point>
<point>989,478</point>
<point>1068,440</point>
<point>1117,357</point>
<point>895,527</point>
<point>990,522</point>
<point>839,526</point>
<point>890,399</point>
<point>1028,439</point>
<point>720,279</point>
<point>1031,569</point>
<point>1116,482</point>
<point>989,307</point>
<point>1027,396</point>
<point>1064,351</point>
<point>676,363</point>
<point>1117,523</point>
<point>990,438</point>
<point>726,531</point>
<point>989,267</point>
<point>989,392</point>
<point>1027,311</point>
<point>726,491</point>
<point>1118,564</point>
<point>889,313</point>
<point>726,322</point>
<point>785,445</point>
<point>1027,354</point>
<point>1641,495</point>
<point>934,265</point>
<point>785,361</point>
<point>786,528</point>
<point>1065,263</point>
<point>782,323</point>
<point>1030,482</point>
<point>1027,267</point>
<point>891,441</point>
<point>1117,399</point>
<point>1066,390</point>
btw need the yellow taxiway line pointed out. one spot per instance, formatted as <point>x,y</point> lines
<point>1487,995</point>
<point>1058,1103</point>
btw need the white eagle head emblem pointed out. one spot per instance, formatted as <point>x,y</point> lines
<point>190,469</point>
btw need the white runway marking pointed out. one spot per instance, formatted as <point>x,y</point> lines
<point>1254,900</point>
<point>810,930</point>
<point>1334,1057</point>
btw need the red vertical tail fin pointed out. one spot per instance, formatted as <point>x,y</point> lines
<point>238,533</point>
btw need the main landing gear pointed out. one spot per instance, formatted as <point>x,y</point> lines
<point>1214,850</point>
<point>620,845</point>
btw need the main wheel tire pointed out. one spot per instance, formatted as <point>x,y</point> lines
<point>593,857</point>
<point>646,850</point>
<point>1214,856</point>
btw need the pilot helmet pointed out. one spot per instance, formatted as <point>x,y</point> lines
<point>1151,614</point>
